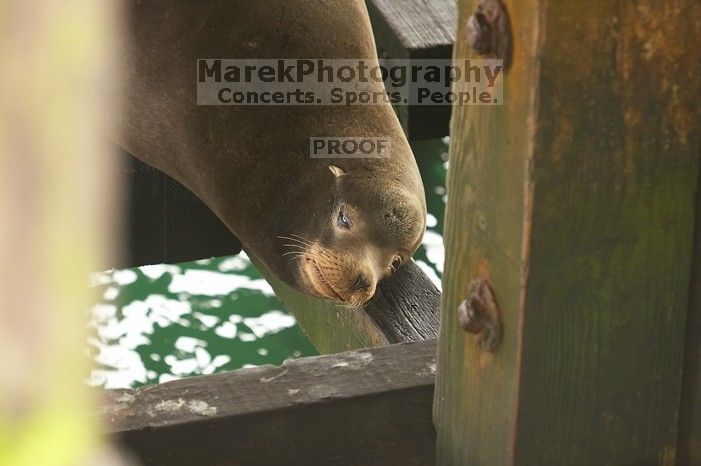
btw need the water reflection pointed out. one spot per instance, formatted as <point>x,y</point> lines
<point>163,322</point>
<point>432,158</point>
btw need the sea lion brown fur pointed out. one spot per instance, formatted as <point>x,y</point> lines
<point>328,228</point>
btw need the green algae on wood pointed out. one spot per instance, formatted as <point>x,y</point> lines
<point>575,199</point>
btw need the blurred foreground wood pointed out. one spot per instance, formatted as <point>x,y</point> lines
<point>58,209</point>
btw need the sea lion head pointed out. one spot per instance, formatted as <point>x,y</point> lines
<point>368,225</point>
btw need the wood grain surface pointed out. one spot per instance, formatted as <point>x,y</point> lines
<point>575,199</point>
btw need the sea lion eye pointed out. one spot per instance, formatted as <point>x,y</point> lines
<point>343,220</point>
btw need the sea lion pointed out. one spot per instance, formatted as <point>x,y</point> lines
<point>331,229</point>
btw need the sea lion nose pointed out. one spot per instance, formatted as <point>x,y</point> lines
<point>361,283</point>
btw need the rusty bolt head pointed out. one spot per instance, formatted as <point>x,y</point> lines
<point>471,316</point>
<point>479,314</point>
<point>488,31</point>
<point>479,34</point>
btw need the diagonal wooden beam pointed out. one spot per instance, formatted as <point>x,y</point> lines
<point>405,308</point>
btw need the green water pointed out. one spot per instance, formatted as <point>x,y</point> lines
<point>162,322</point>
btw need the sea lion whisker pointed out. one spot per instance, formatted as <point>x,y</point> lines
<point>297,242</point>
<point>321,252</point>
<point>298,236</point>
<point>371,300</point>
<point>295,246</point>
<point>329,257</point>
<point>298,245</point>
<point>307,242</point>
<point>300,253</point>
<point>355,305</point>
<point>326,281</point>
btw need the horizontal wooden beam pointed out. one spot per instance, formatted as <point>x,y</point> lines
<point>416,29</point>
<point>411,27</point>
<point>362,407</point>
<point>164,222</point>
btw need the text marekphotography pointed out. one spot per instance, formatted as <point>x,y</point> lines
<point>349,82</point>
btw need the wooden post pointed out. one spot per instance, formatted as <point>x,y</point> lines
<point>689,445</point>
<point>575,200</point>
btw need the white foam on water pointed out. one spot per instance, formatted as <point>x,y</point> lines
<point>131,341</point>
<point>156,271</point>
<point>210,283</point>
<point>110,293</point>
<point>130,331</point>
<point>126,365</point>
<point>235,263</point>
<point>188,344</point>
<point>101,278</point>
<point>246,337</point>
<point>207,320</point>
<point>270,322</point>
<point>181,366</point>
<point>124,277</point>
<point>216,363</point>
<point>202,362</point>
<point>102,313</point>
<point>167,378</point>
<point>226,330</point>
<point>435,249</point>
<point>203,357</point>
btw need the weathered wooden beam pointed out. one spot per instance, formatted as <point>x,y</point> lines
<point>416,29</point>
<point>575,200</point>
<point>165,223</point>
<point>369,407</point>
